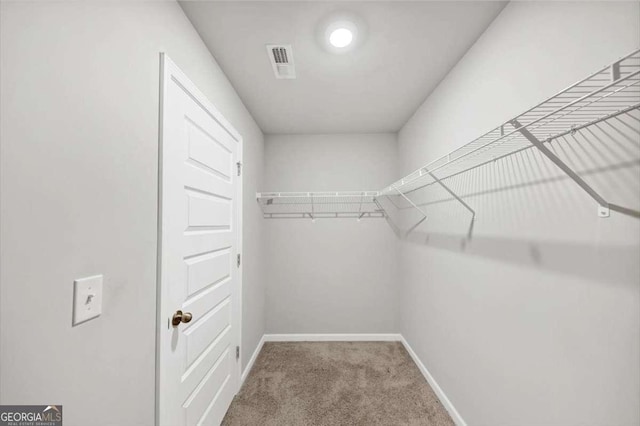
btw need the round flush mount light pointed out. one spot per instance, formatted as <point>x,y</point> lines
<point>342,37</point>
<point>341,32</point>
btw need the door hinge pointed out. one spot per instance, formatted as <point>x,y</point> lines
<point>239,164</point>
<point>237,352</point>
<point>238,260</point>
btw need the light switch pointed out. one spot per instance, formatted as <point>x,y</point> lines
<point>87,299</point>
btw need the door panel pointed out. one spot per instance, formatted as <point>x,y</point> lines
<point>207,210</point>
<point>197,177</point>
<point>212,155</point>
<point>199,336</point>
<point>201,242</point>
<point>201,303</point>
<point>207,269</point>
<point>199,368</point>
<point>200,237</point>
<point>200,408</point>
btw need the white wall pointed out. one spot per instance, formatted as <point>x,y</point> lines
<point>334,275</point>
<point>80,83</point>
<point>536,321</point>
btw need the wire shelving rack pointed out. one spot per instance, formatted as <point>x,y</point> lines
<point>313,205</point>
<point>609,92</point>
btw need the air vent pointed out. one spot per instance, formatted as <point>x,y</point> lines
<point>280,55</point>
<point>281,58</point>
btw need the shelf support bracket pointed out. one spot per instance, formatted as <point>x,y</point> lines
<point>460,200</point>
<point>415,207</point>
<point>313,210</point>
<point>393,226</point>
<point>360,214</point>
<point>603,206</point>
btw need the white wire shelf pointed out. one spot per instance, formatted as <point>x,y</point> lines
<point>611,91</point>
<point>314,205</point>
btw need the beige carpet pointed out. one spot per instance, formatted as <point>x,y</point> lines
<point>335,383</point>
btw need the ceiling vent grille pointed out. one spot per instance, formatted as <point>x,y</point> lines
<point>281,58</point>
<point>280,55</point>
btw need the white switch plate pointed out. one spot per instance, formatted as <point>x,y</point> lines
<point>87,298</point>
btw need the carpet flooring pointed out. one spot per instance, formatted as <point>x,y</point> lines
<point>335,383</point>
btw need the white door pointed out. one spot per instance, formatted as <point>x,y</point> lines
<point>200,235</point>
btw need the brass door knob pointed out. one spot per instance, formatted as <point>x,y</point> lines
<point>179,317</point>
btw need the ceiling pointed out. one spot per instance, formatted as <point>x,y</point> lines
<point>409,48</point>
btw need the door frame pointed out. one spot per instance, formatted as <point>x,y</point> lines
<point>170,71</point>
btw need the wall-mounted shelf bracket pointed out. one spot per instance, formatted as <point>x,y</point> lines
<point>426,172</point>
<point>604,211</point>
<point>604,207</point>
<point>460,200</point>
<point>424,215</point>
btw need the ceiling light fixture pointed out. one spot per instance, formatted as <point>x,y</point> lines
<point>341,37</point>
<point>341,32</point>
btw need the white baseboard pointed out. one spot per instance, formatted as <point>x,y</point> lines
<point>249,366</point>
<point>455,416</point>
<point>361,337</point>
